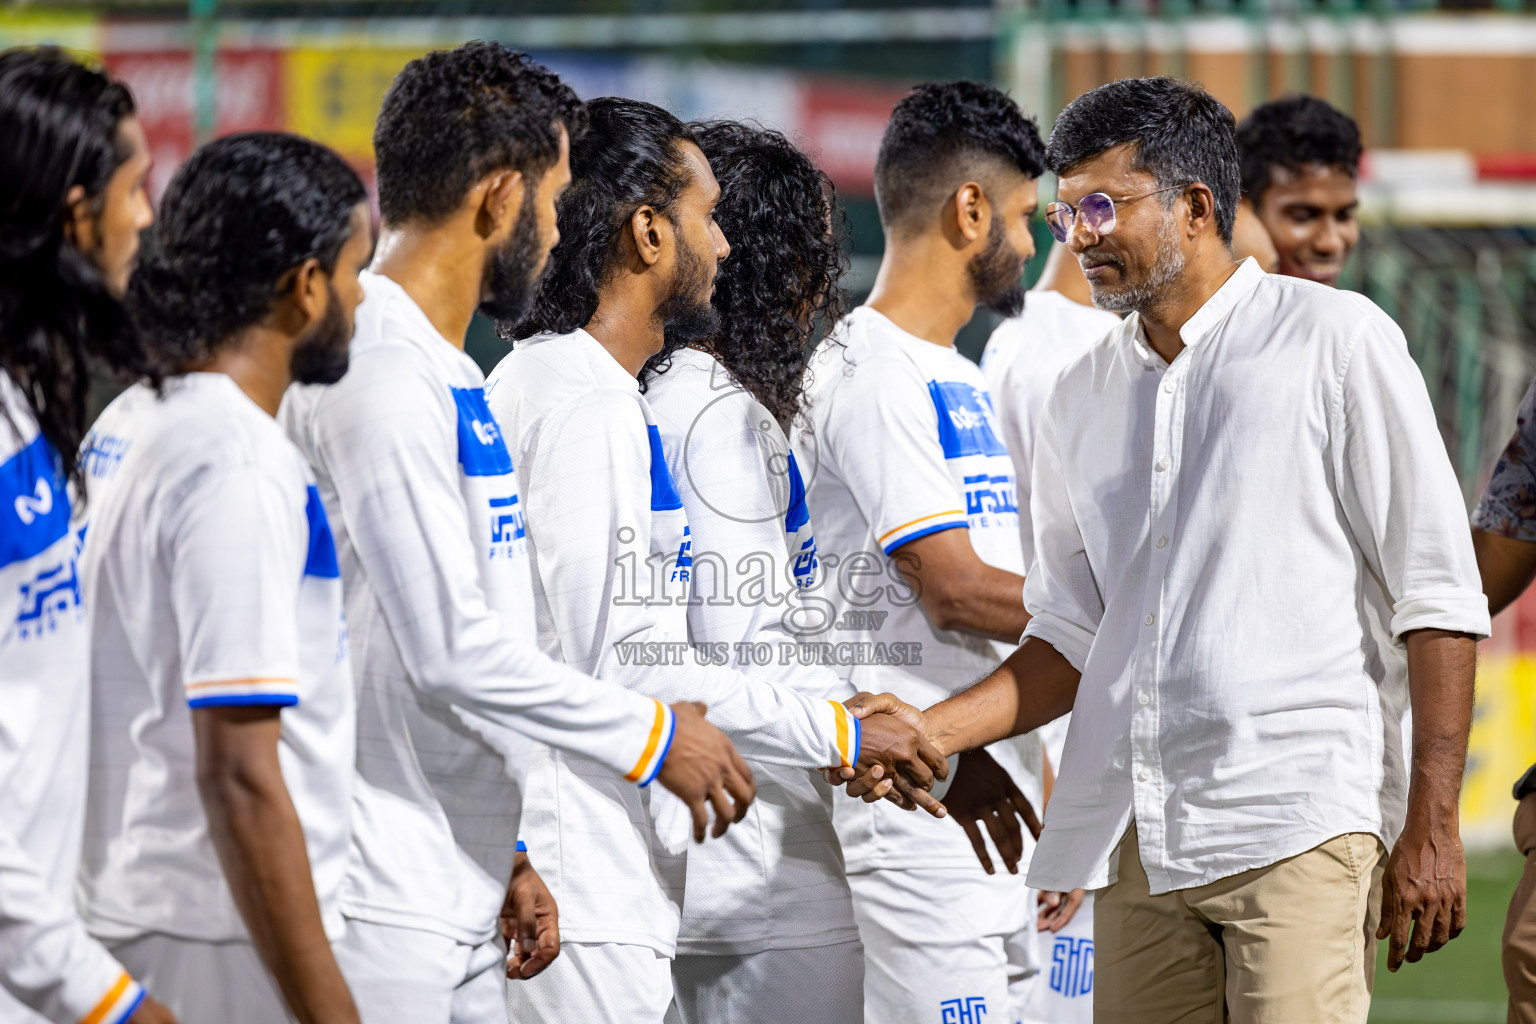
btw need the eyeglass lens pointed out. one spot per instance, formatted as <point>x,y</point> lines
<point>1097,211</point>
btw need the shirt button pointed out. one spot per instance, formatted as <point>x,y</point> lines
<point>1162,464</point>
<point>1170,387</point>
<point>1162,542</point>
<point>1143,698</point>
<point>1144,775</point>
<point>1149,619</point>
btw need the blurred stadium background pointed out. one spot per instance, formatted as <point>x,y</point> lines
<point>1442,91</point>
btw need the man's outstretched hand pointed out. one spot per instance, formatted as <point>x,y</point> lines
<point>983,794</point>
<point>1423,891</point>
<point>702,768</point>
<point>896,760</point>
<point>530,922</point>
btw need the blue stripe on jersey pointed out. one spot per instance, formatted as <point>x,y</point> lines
<point>799,513</point>
<point>245,700</point>
<point>482,452</point>
<point>321,560</point>
<point>965,420</point>
<point>664,496</point>
<point>34,505</point>
<point>909,538</point>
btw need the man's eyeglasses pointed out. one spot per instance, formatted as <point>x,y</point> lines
<point>1097,211</point>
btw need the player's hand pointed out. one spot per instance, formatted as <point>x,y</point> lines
<point>151,1012</point>
<point>893,739</point>
<point>1057,909</point>
<point>984,793</point>
<point>704,767</point>
<point>530,922</point>
<point>1423,889</point>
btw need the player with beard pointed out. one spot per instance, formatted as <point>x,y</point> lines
<point>472,150</point>
<point>72,203</point>
<point>223,735</point>
<point>767,933</point>
<point>613,556</point>
<point>911,485</point>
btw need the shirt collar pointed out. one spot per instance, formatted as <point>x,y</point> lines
<point>1208,317</point>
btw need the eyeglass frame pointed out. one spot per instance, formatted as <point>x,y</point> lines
<point>1113,215</point>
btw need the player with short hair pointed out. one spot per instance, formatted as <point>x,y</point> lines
<point>72,202</point>
<point>472,149</point>
<point>916,499</point>
<point>222,739</point>
<point>612,554</point>
<point>1300,161</point>
<point>767,932</point>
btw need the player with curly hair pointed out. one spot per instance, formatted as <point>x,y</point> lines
<point>768,933</point>
<point>1300,161</point>
<point>72,202</point>
<point>613,553</point>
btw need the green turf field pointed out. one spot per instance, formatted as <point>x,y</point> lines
<point>1463,982</point>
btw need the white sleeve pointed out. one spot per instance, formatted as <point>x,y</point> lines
<point>390,448</point>
<point>739,495</point>
<point>235,545</point>
<point>47,959</point>
<point>882,434</point>
<point>1060,592</point>
<point>1397,488</point>
<point>586,476</point>
<point>1018,418</point>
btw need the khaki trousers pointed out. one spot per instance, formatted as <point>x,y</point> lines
<point>1520,925</point>
<point>1292,943</point>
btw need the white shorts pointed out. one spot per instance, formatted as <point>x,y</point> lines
<point>1023,949</point>
<point>204,982</point>
<point>1063,993</point>
<point>933,942</point>
<point>409,976</point>
<point>595,981</point>
<point>818,985</point>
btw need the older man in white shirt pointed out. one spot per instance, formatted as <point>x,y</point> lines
<point>1250,553</point>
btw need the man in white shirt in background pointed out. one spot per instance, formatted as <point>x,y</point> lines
<point>471,147</point>
<point>768,935</point>
<point>1251,553</point>
<point>224,721</point>
<point>72,204</point>
<point>1023,359</point>
<point>914,498</point>
<point>612,556</point>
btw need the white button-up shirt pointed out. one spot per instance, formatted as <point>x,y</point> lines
<point>1230,548</point>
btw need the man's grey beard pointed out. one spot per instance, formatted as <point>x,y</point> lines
<point>1167,267</point>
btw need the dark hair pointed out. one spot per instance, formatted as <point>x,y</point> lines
<point>453,116</point>
<point>627,158</point>
<point>1293,132</point>
<point>781,282</point>
<point>62,120</point>
<point>240,214</point>
<point>937,133</point>
<point>1182,135</point>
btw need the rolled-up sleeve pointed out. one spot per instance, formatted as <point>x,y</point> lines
<point>1060,592</point>
<point>1397,489</point>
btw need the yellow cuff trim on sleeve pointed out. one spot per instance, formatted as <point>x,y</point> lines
<point>108,1001</point>
<point>657,728</point>
<point>921,519</point>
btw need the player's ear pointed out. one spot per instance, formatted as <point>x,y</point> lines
<point>972,212</point>
<point>501,200</point>
<point>301,298</point>
<point>645,229</point>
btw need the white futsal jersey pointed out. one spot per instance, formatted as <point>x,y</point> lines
<point>1023,360</point>
<point>47,960</point>
<point>211,578</point>
<point>434,558</point>
<point>612,558</point>
<point>775,881</point>
<point>899,441</point>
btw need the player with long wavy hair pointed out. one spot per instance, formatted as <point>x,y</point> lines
<point>767,912</point>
